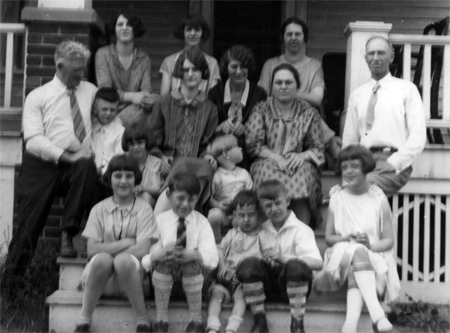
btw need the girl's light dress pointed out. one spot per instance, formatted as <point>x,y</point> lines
<point>358,214</point>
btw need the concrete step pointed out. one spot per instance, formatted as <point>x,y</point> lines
<point>111,315</point>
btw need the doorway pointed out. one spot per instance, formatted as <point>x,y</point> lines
<point>254,24</point>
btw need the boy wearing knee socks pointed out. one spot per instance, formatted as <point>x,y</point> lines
<point>246,240</point>
<point>185,250</point>
<point>288,273</point>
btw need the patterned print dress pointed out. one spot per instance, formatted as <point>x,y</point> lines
<point>268,130</point>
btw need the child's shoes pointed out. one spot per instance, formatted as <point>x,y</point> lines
<point>143,328</point>
<point>382,325</point>
<point>161,327</point>
<point>260,325</point>
<point>82,328</point>
<point>297,325</point>
<point>195,327</point>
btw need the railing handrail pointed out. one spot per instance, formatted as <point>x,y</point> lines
<point>419,39</point>
<point>12,27</point>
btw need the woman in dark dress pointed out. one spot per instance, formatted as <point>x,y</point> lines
<point>236,96</point>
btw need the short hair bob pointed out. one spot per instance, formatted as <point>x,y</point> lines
<point>289,68</point>
<point>195,56</point>
<point>356,152</point>
<point>124,162</point>
<point>135,132</point>
<point>133,20</point>
<point>244,198</point>
<point>295,20</point>
<point>194,21</point>
<point>185,181</point>
<point>221,143</point>
<point>240,53</point>
<point>271,189</point>
<point>71,50</point>
<point>108,94</point>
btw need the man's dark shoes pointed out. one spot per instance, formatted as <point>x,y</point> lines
<point>67,249</point>
<point>143,328</point>
<point>82,328</point>
<point>260,325</point>
<point>195,327</point>
<point>297,325</point>
<point>161,327</point>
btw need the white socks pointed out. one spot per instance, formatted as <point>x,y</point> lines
<point>354,307</point>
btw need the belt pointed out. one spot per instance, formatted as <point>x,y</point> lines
<point>378,149</point>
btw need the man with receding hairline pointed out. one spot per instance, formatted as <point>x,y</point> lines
<point>387,116</point>
<point>57,160</point>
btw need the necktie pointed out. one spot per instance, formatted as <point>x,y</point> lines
<point>78,124</point>
<point>370,115</point>
<point>181,232</point>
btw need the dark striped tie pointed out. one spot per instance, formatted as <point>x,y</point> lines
<point>78,123</point>
<point>181,232</point>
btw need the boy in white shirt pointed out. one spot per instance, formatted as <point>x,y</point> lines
<point>186,251</point>
<point>228,180</point>
<point>107,129</point>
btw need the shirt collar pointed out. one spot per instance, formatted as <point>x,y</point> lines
<point>227,93</point>
<point>97,126</point>
<point>180,100</point>
<point>227,172</point>
<point>291,221</point>
<point>110,205</point>
<point>174,217</point>
<point>383,81</point>
<point>60,85</point>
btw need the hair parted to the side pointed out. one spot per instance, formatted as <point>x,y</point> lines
<point>295,20</point>
<point>271,189</point>
<point>185,181</point>
<point>288,67</point>
<point>221,143</point>
<point>244,198</point>
<point>71,50</point>
<point>240,53</point>
<point>194,21</point>
<point>133,20</point>
<point>108,94</point>
<point>197,58</point>
<point>124,162</point>
<point>356,152</point>
<point>138,131</point>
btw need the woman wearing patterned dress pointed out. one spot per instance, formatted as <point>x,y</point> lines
<point>127,68</point>
<point>193,29</point>
<point>236,96</point>
<point>285,136</point>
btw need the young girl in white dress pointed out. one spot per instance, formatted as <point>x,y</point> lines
<point>360,235</point>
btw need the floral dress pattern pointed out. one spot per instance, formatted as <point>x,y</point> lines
<point>268,130</point>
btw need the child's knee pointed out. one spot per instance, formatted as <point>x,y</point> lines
<point>297,270</point>
<point>360,255</point>
<point>125,262</point>
<point>250,270</point>
<point>215,217</point>
<point>191,269</point>
<point>102,262</point>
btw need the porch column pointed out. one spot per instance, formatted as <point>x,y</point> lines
<point>357,72</point>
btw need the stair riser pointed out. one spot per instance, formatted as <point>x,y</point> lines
<point>121,319</point>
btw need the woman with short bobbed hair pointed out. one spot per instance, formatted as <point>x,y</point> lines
<point>236,96</point>
<point>127,68</point>
<point>193,30</point>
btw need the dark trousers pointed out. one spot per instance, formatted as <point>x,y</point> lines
<point>275,279</point>
<point>38,184</point>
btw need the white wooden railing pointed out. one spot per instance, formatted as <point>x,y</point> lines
<point>10,30</point>
<point>428,41</point>
<point>421,209</point>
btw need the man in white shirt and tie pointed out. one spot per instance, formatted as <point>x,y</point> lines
<point>387,116</point>
<point>57,160</point>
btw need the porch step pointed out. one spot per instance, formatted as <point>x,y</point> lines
<point>111,315</point>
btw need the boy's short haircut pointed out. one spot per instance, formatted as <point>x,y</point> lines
<point>185,181</point>
<point>222,143</point>
<point>356,152</point>
<point>244,198</point>
<point>108,94</point>
<point>271,189</point>
<point>121,162</point>
<point>138,131</point>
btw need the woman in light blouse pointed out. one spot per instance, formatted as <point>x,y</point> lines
<point>127,68</point>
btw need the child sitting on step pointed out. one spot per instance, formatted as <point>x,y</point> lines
<point>138,141</point>
<point>246,240</point>
<point>287,274</point>
<point>228,180</point>
<point>119,232</point>
<point>360,233</point>
<point>186,251</point>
